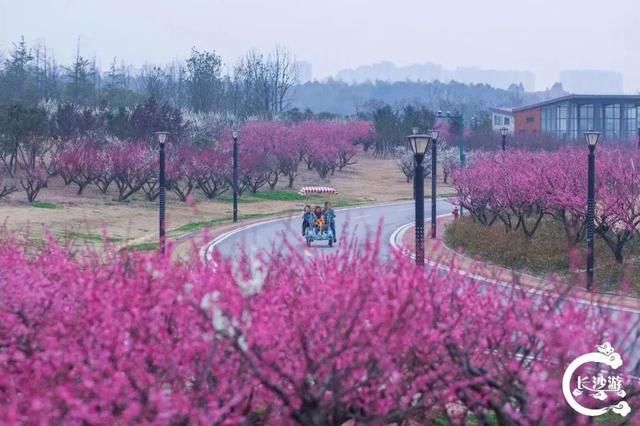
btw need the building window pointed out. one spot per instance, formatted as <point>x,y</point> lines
<point>573,122</point>
<point>630,124</point>
<point>548,117</point>
<point>497,120</point>
<point>562,117</point>
<point>586,118</point>
<point>612,121</point>
<point>531,119</point>
<point>507,121</point>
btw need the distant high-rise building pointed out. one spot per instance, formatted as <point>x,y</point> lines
<point>593,82</point>
<point>305,71</point>
<point>387,71</point>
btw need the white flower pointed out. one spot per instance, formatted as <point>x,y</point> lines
<point>208,300</point>
<point>221,323</point>
<point>252,286</point>
<point>242,343</point>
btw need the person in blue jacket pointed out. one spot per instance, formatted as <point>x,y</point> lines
<point>330,217</point>
<point>306,220</point>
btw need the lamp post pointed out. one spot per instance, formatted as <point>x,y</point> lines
<point>414,131</point>
<point>433,134</point>
<point>419,144</point>
<point>638,137</point>
<point>504,131</point>
<point>235,135</point>
<point>592,141</point>
<point>162,138</point>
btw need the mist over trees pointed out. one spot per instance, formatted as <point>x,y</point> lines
<point>262,85</point>
<point>342,98</point>
<point>45,104</point>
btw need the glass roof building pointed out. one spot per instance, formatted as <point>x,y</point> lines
<point>615,116</point>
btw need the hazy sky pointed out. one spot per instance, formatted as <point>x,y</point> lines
<point>544,36</point>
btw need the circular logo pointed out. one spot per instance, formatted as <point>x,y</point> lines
<point>599,387</point>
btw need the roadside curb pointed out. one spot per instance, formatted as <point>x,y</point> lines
<point>527,282</point>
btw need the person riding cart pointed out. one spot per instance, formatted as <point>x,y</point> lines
<point>330,217</point>
<point>319,224</point>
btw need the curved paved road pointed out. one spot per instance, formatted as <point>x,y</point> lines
<point>356,222</point>
<point>361,222</point>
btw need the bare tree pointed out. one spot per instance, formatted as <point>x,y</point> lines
<point>251,82</point>
<point>261,85</point>
<point>284,75</point>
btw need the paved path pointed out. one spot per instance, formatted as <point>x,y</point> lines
<point>358,222</point>
<point>361,222</point>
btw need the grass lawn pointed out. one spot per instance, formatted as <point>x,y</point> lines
<point>547,252</point>
<point>43,205</point>
<point>150,246</point>
<point>90,237</point>
<point>195,226</point>
<point>278,195</point>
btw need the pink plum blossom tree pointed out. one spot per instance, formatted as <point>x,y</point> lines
<point>280,338</point>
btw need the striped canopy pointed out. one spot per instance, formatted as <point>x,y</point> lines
<point>308,190</point>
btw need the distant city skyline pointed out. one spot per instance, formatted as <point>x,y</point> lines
<point>578,81</point>
<point>541,36</point>
<point>387,71</point>
<point>595,82</point>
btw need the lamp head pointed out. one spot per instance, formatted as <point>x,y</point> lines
<point>592,138</point>
<point>434,133</point>
<point>504,131</point>
<point>419,143</point>
<point>162,137</point>
<point>414,130</point>
<point>235,134</point>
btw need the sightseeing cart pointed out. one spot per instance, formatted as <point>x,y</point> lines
<point>319,228</point>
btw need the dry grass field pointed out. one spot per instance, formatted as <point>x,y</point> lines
<point>66,215</point>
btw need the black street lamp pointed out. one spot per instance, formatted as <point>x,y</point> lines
<point>592,141</point>
<point>234,134</point>
<point>414,131</point>
<point>504,131</point>
<point>162,138</point>
<point>433,134</point>
<point>419,144</point>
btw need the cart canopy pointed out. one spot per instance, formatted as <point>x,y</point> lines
<point>322,190</point>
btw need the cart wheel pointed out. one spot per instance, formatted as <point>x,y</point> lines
<point>330,243</point>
